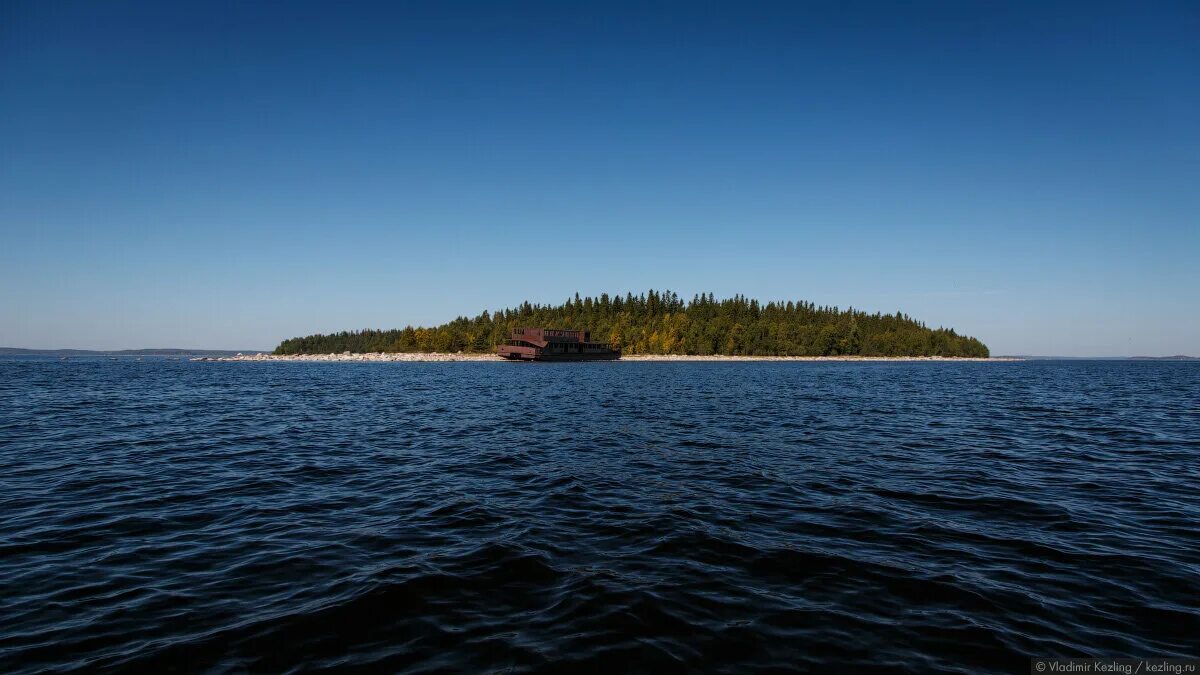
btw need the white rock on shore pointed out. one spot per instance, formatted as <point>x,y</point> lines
<point>347,357</point>
<point>375,357</point>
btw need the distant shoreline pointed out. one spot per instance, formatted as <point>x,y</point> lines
<point>158,351</point>
<point>380,357</point>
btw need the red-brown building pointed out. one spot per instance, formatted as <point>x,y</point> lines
<point>544,344</point>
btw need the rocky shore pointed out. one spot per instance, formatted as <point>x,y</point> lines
<point>347,357</point>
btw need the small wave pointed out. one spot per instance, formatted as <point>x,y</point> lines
<point>749,517</point>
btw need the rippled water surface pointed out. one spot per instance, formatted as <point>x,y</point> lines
<point>631,516</point>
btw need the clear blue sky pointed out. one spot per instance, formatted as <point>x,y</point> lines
<point>227,174</point>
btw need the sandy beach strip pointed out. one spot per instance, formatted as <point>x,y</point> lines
<point>380,357</point>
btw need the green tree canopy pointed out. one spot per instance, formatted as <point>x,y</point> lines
<point>662,323</point>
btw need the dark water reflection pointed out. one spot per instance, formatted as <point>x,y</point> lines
<point>636,516</point>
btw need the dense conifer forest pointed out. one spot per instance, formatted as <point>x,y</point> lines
<point>663,323</point>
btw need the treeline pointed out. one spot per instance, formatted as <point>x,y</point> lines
<point>662,323</point>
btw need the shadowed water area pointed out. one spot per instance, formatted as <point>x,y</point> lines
<point>953,517</point>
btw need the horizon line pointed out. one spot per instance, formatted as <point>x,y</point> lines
<point>216,349</point>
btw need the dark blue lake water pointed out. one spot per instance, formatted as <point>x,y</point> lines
<point>952,517</point>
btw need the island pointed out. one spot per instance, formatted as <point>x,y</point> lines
<point>663,325</point>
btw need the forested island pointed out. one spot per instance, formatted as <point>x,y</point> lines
<point>663,323</point>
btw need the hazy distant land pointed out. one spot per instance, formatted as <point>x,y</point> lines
<point>1177,357</point>
<point>17,351</point>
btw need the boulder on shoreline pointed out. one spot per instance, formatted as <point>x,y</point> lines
<point>386,357</point>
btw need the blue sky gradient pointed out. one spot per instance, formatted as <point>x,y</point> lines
<point>226,175</point>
